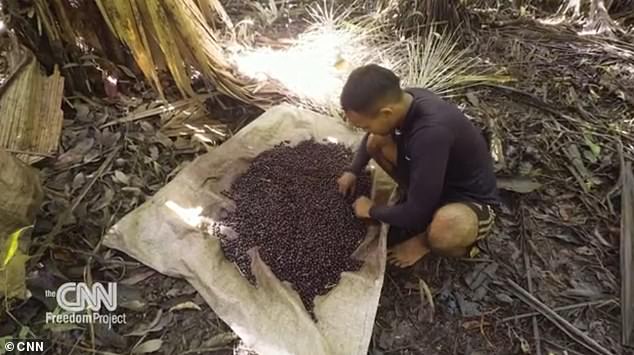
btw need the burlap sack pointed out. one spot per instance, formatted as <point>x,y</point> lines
<point>20,198</point>
<point>20,194</point>
<point>168,233</point>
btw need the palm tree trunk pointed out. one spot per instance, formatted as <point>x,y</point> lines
<point>621,6</point>
<point>412,14</point>
<point>570,5</point>
<point>599,18</point>
<point>442,11</point>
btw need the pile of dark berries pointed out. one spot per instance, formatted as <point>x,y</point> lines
<point>287,204</point>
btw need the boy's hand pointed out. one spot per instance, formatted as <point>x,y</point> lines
<point>347,183</point>
<point>362,207</point>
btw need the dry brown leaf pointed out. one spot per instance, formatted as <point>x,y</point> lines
<point>121,178</point>
<point>185,306</point>
<point>81,112</point>
<point>221,339</point>
<point>149,346</point>
<point>521,185</point>
<point>78,181</point>
<point>157,324</point>
<point>77,153</point>
<point>137,277</point>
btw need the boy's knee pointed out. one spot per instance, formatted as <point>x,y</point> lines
<point>453,227</point>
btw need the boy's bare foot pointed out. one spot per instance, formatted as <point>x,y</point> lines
<point>408,253</point>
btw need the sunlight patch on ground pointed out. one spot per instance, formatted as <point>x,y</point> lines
<point>591,32</point>
<point>191,216</point>
<point>3,25</point>
<point>552,21</point>
<point>627,67</point>
<point>625,54</point>
<point>314,67</point>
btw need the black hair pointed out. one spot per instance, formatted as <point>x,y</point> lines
<point>367,87</point>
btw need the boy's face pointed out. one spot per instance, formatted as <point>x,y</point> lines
<point>381,123</point>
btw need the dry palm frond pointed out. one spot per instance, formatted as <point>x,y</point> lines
<point>174,33</point>
<point>267,13</point>
<point>47,20</point>
<point>434,62</point>
<point>349,18</point>
<point>202,43</point>
<point>30,110</point>
<point>314,69</point>
<point>66,29</point>
<point>167,41</point>
<point>125,19</point>
<point>328,14</point>
<point>414,13</point>
<point>211,8</point>
<point>428,59</point>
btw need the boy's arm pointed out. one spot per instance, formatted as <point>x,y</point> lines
<point>361,157</point>
<point>429,157</point>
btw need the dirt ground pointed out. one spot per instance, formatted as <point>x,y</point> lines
<point>558,237</point>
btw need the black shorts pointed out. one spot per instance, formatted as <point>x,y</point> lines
<point>486,220</point>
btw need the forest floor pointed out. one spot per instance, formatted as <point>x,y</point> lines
<point>556,235</point>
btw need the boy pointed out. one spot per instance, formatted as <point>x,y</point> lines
<point>434,153</point>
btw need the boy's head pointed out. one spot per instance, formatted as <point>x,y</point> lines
<point>371,97</point>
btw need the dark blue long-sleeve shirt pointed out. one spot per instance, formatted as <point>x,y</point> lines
<point>442,158</point>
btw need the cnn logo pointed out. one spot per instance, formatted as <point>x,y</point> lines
<point>87,297</point>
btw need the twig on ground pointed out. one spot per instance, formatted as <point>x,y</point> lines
<point>566,349</point>
<point>599,303</point>
<point>168,107</point>
<point>76,344</point>
<point>627,254</point>
<point>528,99</point>
<point>88,350</point>
<point>401,297</point>
<point>483,333</point>
<point>529,280</point>
<point>424,290</point>
<point>557,320</point>
<point>89,280</point>
<point>536,251</point>
<point>205,350</point>
<point>37,154</point>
